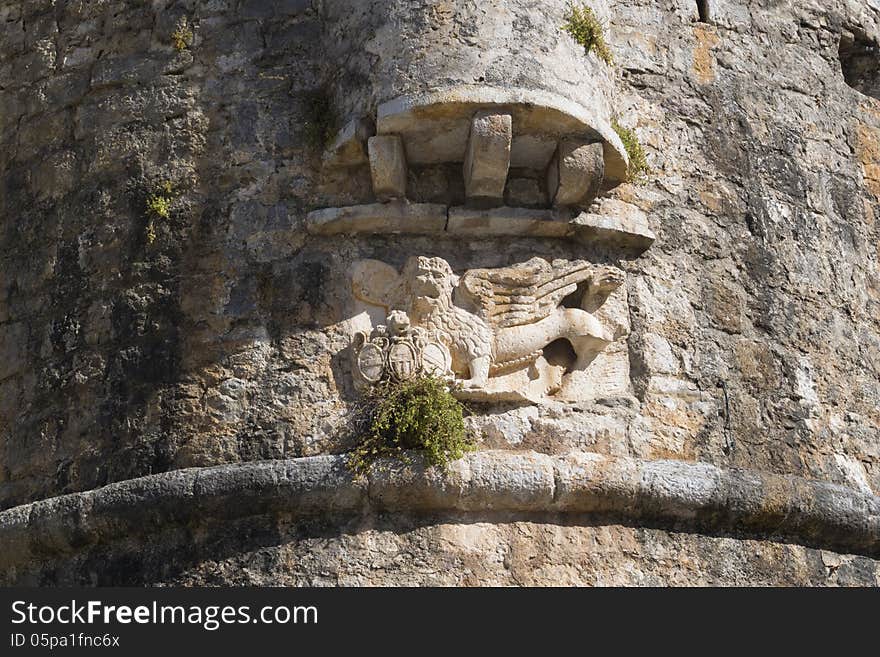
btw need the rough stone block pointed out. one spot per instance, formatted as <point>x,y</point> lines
<point>257,9</point>
<point>488,155</point>
<point>387,166</point>
<point>293,7</point>
<point>126,70</point>
<point>525,193</point>
<point>575,173</point>
<point>348,148</point>
<point>473,483</point>
<point>13,347</point>
<point>621,231</point>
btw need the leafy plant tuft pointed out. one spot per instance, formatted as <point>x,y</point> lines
<point>421,414</point>
<point>584,27</point>
<point>638,161</point>
<point>159,207</point>
<point>182,36</point>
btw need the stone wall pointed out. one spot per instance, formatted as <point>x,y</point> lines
<point>442,550</point>
<point>747,336</point>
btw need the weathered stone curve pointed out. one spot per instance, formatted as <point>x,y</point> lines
<point>534,111</point>
<point>687,496</point>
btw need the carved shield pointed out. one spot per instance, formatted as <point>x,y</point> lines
<point>371,362</point>
<point>436,360</point>
<point>403,361</point>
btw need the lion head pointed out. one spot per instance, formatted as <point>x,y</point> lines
<point>430,278</point>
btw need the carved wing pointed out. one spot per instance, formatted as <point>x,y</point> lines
<point>377,283</point>
<point>521,294</point>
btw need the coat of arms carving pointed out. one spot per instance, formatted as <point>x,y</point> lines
<point>397,352</point>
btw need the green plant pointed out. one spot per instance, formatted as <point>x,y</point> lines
<point>638,162</point>
<point>584,27</point>
<point>182,36</point>
<point>159,207</point>
<point>421,414</point>
<point>320,121</point>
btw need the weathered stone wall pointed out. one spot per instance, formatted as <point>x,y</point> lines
<point>132,344</point>
<point>124,357</point>
<point>764,277</point>
<point>443,550</point>
<point>205,524</point>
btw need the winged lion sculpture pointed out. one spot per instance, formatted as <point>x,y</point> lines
<point>487,321</point>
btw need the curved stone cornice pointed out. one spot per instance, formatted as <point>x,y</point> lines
<point>435,124</point>
<point>684,496</point>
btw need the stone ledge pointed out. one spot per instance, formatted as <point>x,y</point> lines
<point>378,218</point>
<point>620,231</point>
<point>500,222</point>
<point>684,496</point>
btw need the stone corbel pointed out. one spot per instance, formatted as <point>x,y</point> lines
<point>575,173</point>
<point>388,167</point>
<point>487,159</point>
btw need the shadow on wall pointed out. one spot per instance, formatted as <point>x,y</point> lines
<point>859,55</point>
<point>265,550</point>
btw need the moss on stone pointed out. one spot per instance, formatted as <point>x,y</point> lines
<point>421,414</point>
<point>584,27</point>
<point>638,161</point>
<point>182,36</point>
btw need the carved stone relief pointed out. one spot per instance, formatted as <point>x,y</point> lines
<point>488,329</point>
<point>526,332</point>
<point>563,160</point>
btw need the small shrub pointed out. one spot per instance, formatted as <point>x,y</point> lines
<point>159,207</point>
<point>415,415</point>
<point>584,27</point>
<point>320,121</point>
<point>638,162</point>
<point>182,36</point>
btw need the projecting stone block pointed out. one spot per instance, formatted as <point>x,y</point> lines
<point>575,173</point>
<point>387,166</point>
<point>623,229</point>
<point>487,158</point>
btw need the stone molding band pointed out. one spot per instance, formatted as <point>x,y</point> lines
<point>684,496</point>
<point>396,218</point>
